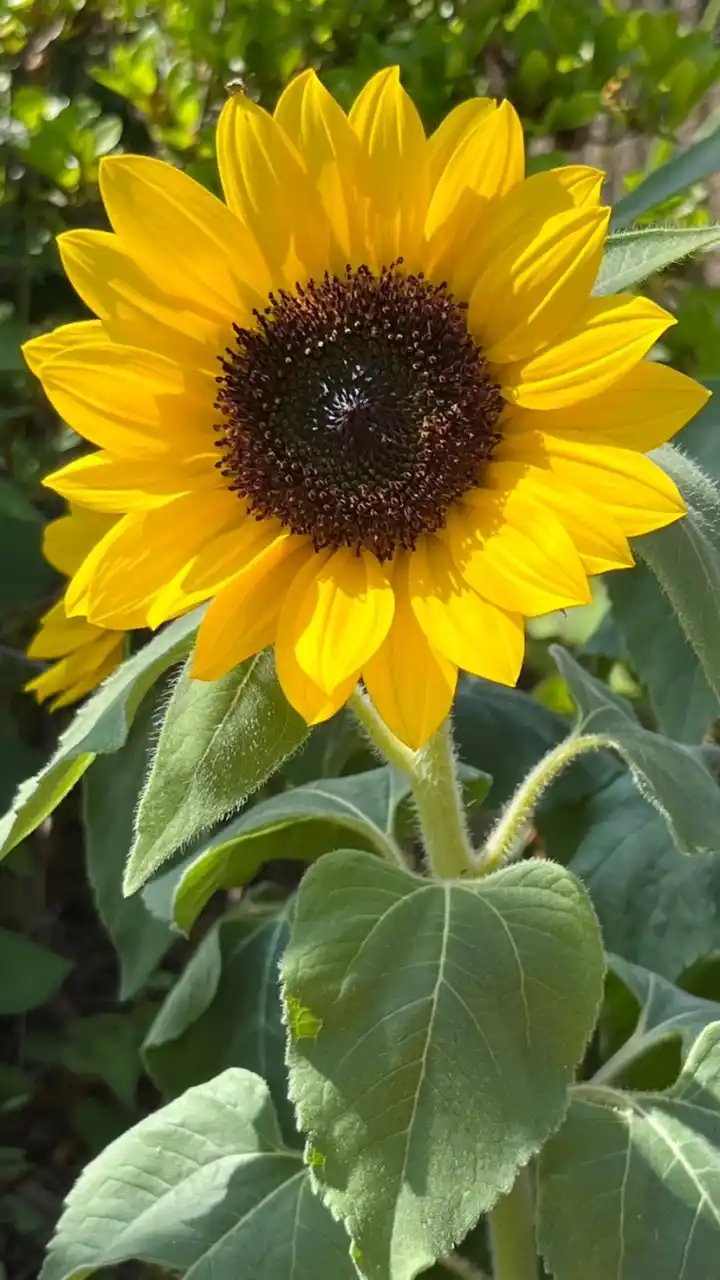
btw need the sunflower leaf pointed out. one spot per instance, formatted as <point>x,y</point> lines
<point>100,727</point>
<point>358,811</point>
<point>670,775</point>
<point>664,1013</point>
<point>655,908</point>
<point>224,1010</point>
<point>632,256</point>
<point>684,170</point>
<point>631,1181</point>
<point>219,742</point>
<point>432,1037</point>
<point>203,1187</point>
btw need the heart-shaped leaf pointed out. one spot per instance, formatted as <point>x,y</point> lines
<point>433,1031</point>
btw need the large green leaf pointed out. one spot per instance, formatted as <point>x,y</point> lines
<point>664,1013</point>
<point>219,743</point>
<point>433,1031</point>
<point>630,1185</point>
<point>691,166</point>
<point>656,908</point>
<point>100,727</point>
<point>224,1010</point>
<point>204,1187</point>
<point>110,794</point>
<point>29,973</point>
<point>354,812</point>
<point>674,777</point>
<point>632,256</point>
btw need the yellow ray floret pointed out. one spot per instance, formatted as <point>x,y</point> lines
<point>367,407</point>
<point>84,654</point>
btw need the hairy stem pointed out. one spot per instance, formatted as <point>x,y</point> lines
<point>512,1233</point>
<point>432,774</point>
<point>505,840</point>
<point>439,803</point>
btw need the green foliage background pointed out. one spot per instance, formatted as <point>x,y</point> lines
<point>83,973</point>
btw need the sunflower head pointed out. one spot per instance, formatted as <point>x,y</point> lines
<point>357,410</point>
<point>368,406</point>
<point>85,654</point>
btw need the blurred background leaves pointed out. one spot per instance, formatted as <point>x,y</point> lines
<point>602,81</point>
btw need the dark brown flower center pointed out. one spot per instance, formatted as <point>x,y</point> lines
<point>357,410</point>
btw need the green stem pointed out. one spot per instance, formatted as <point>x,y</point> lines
<point>438,798</point>
<point>432,774</point>
<point>512,1233</point>
<point>382,738</point>
<point>505,840</point>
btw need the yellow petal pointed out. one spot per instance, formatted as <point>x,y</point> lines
<point>534,290</point>
<point>82,664</point>
<point>598,538</point>
<point>336,615</point>
<point>134,308</point>
<point>104,483</point>
<point>67,541</point>
<point>91,679</point>
<point>60,635</point>
<point>319,128</point>
<point>135,403</point>
<point>583,183</point>
<point>446,139</point>
<point>467,629</point>
<point>148,549</point>
<point>265,183</point>
<point>642,410</point>
<point>639,496</point>
<point>251,550</point>
<point>411,683</point>
<point>387,123</point>
<point>39,350</point>
<point>187,241</point>
<point>308,699</point>
<point>610,337</point>
<point>513,219</point>
<point>242,618</point>
<point>488,160</point>
<point>513,550</point>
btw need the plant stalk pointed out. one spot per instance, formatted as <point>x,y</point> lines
<point>440,808</point>
<point>432,774</point>
<point>512,1233</point>
<point>506,839</point>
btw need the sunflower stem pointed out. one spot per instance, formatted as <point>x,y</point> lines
<point>440,808</point>
<point>432,774</point>
<point>382,738</point>
<point>506,840</point>
<point>512,1233</point>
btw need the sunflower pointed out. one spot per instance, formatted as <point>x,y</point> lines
<point>367,407</point>
<point>86,653</point>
